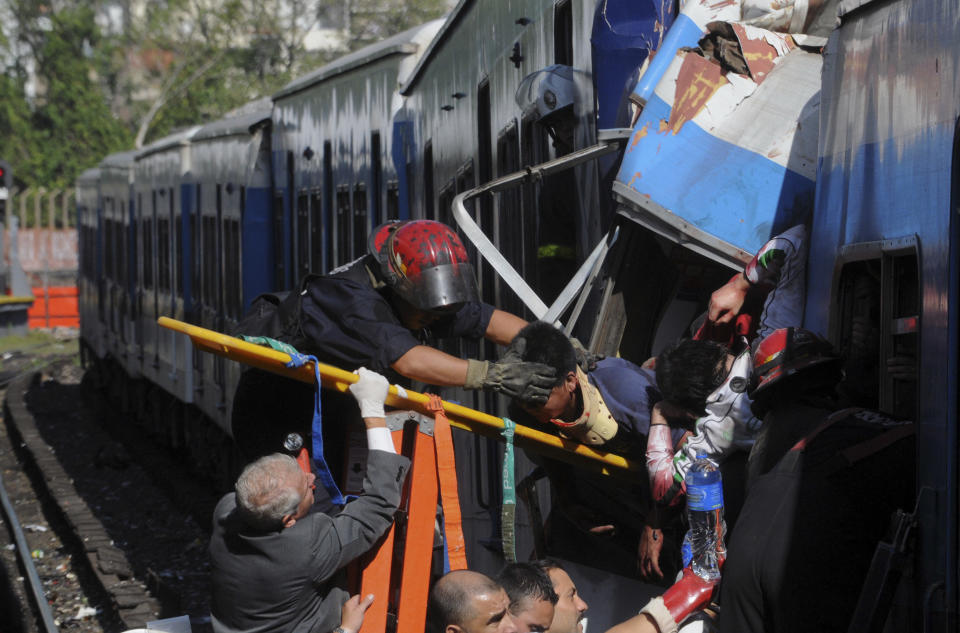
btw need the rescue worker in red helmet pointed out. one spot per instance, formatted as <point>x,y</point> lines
<point>383,311</point>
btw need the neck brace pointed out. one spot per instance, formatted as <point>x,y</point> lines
<point>595,426</point>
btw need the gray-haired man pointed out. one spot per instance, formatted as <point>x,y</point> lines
<point>274,558</point>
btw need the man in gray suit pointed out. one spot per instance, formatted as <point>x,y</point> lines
<point>274,556</point>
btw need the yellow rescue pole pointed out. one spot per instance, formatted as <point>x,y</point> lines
<point>461,417</point>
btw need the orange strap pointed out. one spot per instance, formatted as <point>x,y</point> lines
<point>447,476</point>
<point>377,571</point>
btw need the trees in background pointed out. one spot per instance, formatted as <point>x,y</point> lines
<point>80,79</point>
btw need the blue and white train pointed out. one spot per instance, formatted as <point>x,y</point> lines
<point>842,115</point>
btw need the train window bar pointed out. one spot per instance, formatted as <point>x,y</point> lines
<point>879,279</point>
<point>610,142</point>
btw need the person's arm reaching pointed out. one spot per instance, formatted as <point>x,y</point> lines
<point>509,376</point>
<point>431,366</point>
<point>371,392</point>
<point>352,532</point>
<point>764,271</point>
<point>503,327</point>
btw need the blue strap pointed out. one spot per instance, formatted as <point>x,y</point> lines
<point>320,467</point>
<point>508,531</point>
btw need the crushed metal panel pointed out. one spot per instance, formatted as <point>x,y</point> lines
<point>725,159</point>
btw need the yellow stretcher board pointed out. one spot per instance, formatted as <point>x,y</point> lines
<point>460,417</point>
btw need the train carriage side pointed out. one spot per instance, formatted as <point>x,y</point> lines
<point>885,248</point>
<point>158,177</point>
<point>505,86</point>
<point>229,264</point>
<point>89,287</point>
<point>116,194</point>
<point>466,128</point>
<point>333,177</point>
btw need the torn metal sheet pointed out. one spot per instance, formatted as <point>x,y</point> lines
<point>724,158</point>
<point>808,21</point>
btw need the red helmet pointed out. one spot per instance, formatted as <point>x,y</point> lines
<point>425,263</point>
<point>786,351</point>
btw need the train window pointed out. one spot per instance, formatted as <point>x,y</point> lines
<point>535,149</point>
<point>177,245</point>
<point>563,33</point>
<point>231,254</point>
<point>217,295</point>
<point>510,236</point>
<point>146,232</point>
<point>465,182</point>
<point>196,262</point>
<point>278,269</point>
<point>484,151</point>
<point>108,260</point>
<point>428,181</point>
<point>445,203</point>
<point>286,227</point>
<point>318,248</point>
<point>342,226</point>
<point>208,231</point>
<point>303,235</point>
<point>465,178</point>
<point>393,200</point>
<point>876,323</point>
<point>360,213</point>
<point>123,237</point>
<point>376,178</point>
<point>328,209</point>
<point>163,250</point>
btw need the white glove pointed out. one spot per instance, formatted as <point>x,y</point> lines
<point>370,392</point>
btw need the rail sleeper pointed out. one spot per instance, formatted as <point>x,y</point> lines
<point>109,564</point>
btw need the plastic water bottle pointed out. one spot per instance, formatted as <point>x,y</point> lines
<point>704,544</point>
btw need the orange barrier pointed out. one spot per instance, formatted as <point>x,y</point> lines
<point>57,308</point>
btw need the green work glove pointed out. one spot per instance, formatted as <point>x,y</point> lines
<point>531,383</point>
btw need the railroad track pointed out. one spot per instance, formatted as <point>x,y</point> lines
<point>112,550</point>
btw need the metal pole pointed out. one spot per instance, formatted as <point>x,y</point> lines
<point>460,417</point>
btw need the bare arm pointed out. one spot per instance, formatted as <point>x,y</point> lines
<point>432,366</point>
<point>503,327</point>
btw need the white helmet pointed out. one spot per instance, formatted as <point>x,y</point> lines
<point>546,91</point>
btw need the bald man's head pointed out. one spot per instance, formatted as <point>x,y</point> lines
<point>468,602</point>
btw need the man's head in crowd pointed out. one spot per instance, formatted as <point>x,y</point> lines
<point>689,371</point>
<point>531,594</point>
<point>570,609</point>
<point>469,602</point>
<point>540,342</point>
<point>273,492</point>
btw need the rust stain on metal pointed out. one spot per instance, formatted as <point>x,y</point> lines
<point>698,80</point>
<point>723,3</point>
<point>636,175</point>
<point>639,134</point>
<point>664,126</point>
<point>760,55</point>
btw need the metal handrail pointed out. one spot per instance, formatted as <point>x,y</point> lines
<point>490,252</point>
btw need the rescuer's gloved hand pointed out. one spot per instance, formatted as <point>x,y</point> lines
<point>531,383</point>
<point>585,358</point>
<point>687,595</point>
<point>370,392</point>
